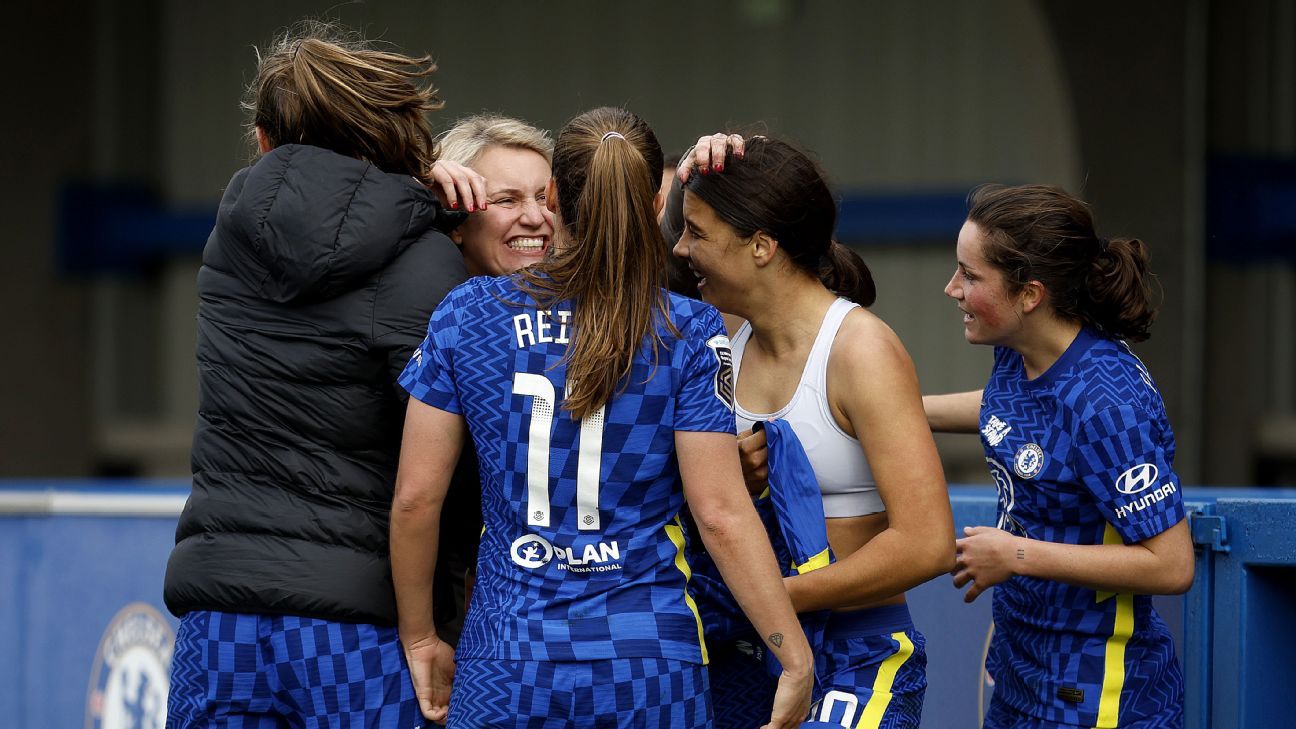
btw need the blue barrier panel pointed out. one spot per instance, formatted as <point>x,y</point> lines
<point>73,561</point>
<point>88,640</point>
<point>1254,637</point>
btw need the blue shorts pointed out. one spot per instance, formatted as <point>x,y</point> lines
<point>240,671</point>
<point>1002,716</point>
<point>872,671</point>
<point>742,690</point>
<point>621,693</point>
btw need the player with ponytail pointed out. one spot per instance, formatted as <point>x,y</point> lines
<point>597,401</point>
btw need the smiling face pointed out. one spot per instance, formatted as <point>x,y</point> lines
<point>514,230</point>
<point>991,315</point>
<point>712,250</point>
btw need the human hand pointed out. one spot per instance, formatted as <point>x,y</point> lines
<point>432,667</point>
<point>791,701</point>
<point>753,454</point>
<point>457,185</point>
<point>709,154</point>
<point>985,556</point>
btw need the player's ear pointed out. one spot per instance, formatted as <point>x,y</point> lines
<point>763,248</point>
<point>1031,296</point>
<point>551,195</point>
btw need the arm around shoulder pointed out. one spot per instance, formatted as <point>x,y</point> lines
<point>956,412</point>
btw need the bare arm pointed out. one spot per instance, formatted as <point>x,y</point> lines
<point>957,412</point>
<point>1159,565</point>
<point>429,450</point>
<point>735,537</point>
<point>877,389</point>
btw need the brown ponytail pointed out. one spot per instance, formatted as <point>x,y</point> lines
<point>1040,233</point>
<point>1120,302</point>
<point>607,169</point>
<point>844,273</point>
<point>320,85</point>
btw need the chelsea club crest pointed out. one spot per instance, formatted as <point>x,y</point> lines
<point>1029,460</point>
<point>132,671</point>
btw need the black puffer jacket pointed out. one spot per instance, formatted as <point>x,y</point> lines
<point>317,284</point>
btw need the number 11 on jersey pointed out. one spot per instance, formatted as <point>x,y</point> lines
<point>589,457</point>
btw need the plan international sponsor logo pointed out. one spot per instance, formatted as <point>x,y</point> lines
<point>533,551</point>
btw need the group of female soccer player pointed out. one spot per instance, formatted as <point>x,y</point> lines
<point>626,434</point>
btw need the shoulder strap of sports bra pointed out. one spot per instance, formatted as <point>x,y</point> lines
<point>816,370</point>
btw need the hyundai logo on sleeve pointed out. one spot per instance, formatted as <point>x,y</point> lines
<point>1138,478</point>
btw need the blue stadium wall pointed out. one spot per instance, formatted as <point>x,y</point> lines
<point>87,640</point>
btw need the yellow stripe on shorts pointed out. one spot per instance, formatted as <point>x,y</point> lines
<point>676,533</point>
<point>1114,654</point>
<point>877,704</point>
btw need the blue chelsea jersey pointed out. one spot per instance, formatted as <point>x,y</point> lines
<point>582,554</point>
<point>1082,454</point>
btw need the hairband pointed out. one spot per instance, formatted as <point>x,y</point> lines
<point>611,134</point>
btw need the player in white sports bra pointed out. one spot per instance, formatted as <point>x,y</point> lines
<point>758,231</point>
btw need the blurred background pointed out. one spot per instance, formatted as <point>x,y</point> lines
<point>1176,120</point>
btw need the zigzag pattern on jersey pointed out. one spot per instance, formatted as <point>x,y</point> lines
<point>742,691</point>
<point>485,694</point>
<point>186,699</point>
<point>576,589</point>
<point>618,693</point>
<point>1093,415</point>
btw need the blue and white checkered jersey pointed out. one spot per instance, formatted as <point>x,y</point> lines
<point>582,555</point>
<point>1082,454</point>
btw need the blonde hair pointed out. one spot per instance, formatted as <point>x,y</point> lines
<point>613,264</point>
<point>466,140</point>
<point>322,85</point>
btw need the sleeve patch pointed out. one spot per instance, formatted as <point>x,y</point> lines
<point>724,376</point>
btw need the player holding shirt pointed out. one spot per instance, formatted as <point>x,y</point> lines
<point>758,230</point>
<point>1091,518</point>
<point>591,394</point>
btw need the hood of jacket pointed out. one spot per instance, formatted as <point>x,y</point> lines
<point>304,223</point>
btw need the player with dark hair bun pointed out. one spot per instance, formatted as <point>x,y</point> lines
<point>759,221</point>
<point>1091,516</point>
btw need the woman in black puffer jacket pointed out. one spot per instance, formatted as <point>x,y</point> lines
<point>317,284</point>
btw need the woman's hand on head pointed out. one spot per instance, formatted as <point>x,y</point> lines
<point>458,186</point>
<point>708,155</point>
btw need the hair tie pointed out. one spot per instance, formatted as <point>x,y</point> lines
<point>612,134</point>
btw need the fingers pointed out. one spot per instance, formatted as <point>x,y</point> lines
<point>433,712</point>
<point>708,155</point>
<point>752,438</point>
<point>753,455</point>
<point>972,531</point>
<point>459,186</point>
<point>685,166</point>
<point>973,593</point>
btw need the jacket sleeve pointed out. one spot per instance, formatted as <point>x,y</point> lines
<point>408,291</point>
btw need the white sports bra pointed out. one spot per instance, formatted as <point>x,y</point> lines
<point>845,479</point>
